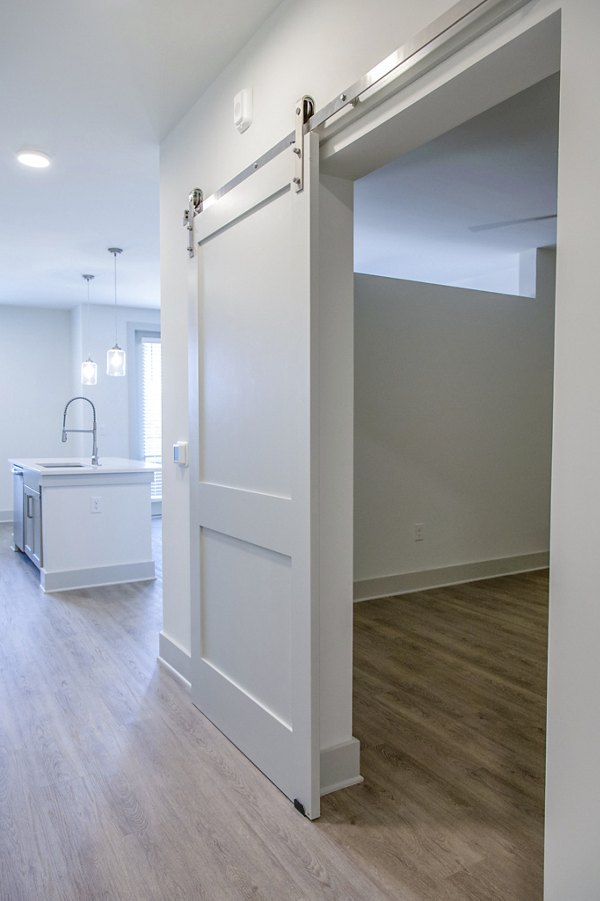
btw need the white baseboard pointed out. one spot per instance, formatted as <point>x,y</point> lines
<point>403,583</point>
<point>6,515</point>
<point>175,658</point>
<point>67,580</point>
<point>340,766</point>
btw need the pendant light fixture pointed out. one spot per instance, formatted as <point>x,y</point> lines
<point>115,357</point>
<point>89,370</point>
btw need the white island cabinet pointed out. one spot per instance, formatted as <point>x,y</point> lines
<point>87,525</point>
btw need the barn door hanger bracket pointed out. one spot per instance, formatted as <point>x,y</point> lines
<point>305,108</point>
<point>195,201</point>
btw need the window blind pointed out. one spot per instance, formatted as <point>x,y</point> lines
<point>150,409</point>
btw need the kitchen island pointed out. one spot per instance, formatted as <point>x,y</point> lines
<point>84,525</point>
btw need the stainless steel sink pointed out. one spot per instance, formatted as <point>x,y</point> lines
<point>63,465</point>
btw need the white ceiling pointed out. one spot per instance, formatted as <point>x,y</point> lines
<point>413,216</point>
<point>97,85</point>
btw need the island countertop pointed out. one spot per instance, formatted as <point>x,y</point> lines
<point>84,525</point>
<point>75,466</point>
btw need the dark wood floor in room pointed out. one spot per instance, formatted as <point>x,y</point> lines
<point>450,707</point>
<point>113,786</point>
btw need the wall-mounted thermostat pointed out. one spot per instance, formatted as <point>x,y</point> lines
<point>242,109</point>
<point>180,453</point>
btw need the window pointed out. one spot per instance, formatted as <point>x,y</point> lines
<point>148,360</point>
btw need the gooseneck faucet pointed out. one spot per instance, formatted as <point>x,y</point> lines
<point>93,429</point>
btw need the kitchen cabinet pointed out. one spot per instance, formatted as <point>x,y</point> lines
<point>32,524</point>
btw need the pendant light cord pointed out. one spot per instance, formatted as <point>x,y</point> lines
<point>87,315</point>
<point>115,256</point>
<point>115,251</point>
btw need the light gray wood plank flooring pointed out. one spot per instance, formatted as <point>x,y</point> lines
<point>113,786</point>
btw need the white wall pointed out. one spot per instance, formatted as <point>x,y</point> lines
<point>35,382</point>
<point>453,423</point>
<point>313,47</point>
<point>40,371</point>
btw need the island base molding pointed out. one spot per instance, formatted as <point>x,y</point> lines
<point>96,576</point>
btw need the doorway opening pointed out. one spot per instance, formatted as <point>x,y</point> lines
<point>453,421</point>
<point>454,335</point>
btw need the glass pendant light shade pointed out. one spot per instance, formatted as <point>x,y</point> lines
<point>89,370</point>
<point>115,361</point>
<point>115,356</point>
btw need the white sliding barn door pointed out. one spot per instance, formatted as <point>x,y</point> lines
<point>254,620</point>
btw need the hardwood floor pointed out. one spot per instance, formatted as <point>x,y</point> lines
<point>450,706</point>
<point>113,786</point>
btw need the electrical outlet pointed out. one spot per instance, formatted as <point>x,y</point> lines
<point>419,531</point>
<point>95,505</point>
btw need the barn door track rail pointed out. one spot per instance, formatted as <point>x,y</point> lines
<point>460,24</point>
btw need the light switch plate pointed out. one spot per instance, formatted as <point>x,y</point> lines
<point>180,453</point>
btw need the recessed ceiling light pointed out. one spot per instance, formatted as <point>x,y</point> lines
<point>35,159</point>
